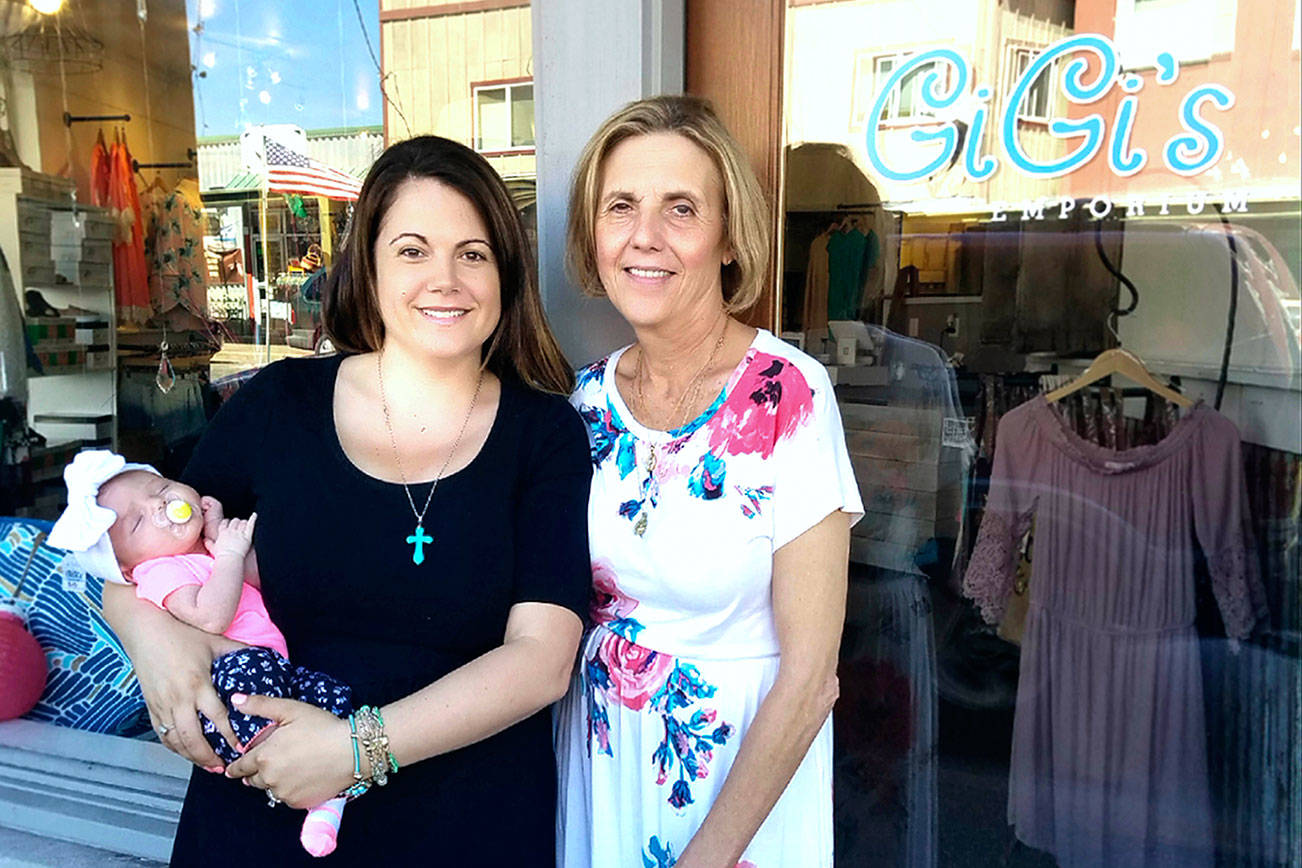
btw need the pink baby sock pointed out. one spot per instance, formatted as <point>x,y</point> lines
<point>321,828</point>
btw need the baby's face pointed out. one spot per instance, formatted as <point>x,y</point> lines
<point>143,529</point>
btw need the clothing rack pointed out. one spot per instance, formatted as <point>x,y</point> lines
<point>190,153</point>
<point>69,119</point>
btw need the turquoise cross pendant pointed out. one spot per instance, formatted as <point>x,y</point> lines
<point>418,539</point>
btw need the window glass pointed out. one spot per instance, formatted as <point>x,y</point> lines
<point>494,114</point>
<point>247,129</point>
<point>522,116</point>
<point>1047,650</point>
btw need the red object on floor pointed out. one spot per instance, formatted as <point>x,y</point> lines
<point>22,667</point>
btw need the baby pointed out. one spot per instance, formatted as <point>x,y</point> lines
<point>126,523</point>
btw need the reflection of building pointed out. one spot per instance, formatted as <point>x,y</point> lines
<point>841,55</point>
<point>231,192</point>
<point>463,71</point>
<point>1252,50</point>
<point>231,195</point>
<point>221,168</point>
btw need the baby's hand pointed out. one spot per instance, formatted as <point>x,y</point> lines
<point>212,517</point>
<point>234,537</point>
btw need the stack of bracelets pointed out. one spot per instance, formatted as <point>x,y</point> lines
<point>366,728</point>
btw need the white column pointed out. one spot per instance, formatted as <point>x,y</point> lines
<point>590,58</point>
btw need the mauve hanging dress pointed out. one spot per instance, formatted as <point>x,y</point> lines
<point>1109,759</point>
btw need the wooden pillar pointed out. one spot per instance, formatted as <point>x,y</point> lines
<point>734,56</point>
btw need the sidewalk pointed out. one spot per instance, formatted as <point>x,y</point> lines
<point>69,793</point>
<point>22,850</point>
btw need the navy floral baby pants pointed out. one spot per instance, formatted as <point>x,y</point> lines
<point>262,671</point>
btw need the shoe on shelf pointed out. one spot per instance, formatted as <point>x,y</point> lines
<point>37,305</point>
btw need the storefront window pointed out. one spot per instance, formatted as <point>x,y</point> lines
<point>244,138</point>
<point>1073,632</point>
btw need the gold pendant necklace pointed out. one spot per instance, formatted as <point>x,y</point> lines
<point>686,401</point>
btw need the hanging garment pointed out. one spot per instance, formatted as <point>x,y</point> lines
<point>130,276</point>
<point>870,279</point>
<point>174,252</point>
<point>911,444</point>
<point>845,259</point>
<point>816,277</point>
<point>101,170</point>
<point>1109,753</point>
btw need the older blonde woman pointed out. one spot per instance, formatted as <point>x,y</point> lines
<point>696,732</point>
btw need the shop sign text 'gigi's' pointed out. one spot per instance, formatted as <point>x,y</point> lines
<point>1189,153</point>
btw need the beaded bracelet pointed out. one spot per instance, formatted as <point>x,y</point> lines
<point>370,731</point>
<point>359,785</point>
<point>392,760</point>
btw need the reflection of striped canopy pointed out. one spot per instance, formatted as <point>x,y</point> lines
<point>90,684</point>
<point>523,190</point>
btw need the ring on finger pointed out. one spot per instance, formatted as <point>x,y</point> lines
<point>163,729</point>
<point>272,801</point>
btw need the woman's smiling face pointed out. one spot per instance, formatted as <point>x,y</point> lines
<point>661,229</point>
<point>436,277</point>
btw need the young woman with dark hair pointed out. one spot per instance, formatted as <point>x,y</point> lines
<point>421,536</point>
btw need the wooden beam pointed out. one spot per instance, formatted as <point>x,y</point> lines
<point>724,36</point>
<point>449,9</point>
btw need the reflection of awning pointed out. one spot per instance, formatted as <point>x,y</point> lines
<point>246,185</point>
<point>523,190</point>
<point>242,187</point>
<point>822,176</point>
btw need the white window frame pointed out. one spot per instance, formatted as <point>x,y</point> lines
<point>868,83</point>
<point>507,87</point>
<point>1013,52</point>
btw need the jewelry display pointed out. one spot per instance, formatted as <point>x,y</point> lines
<point>418,537</point>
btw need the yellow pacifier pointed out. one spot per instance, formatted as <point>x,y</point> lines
<point>178,511</point>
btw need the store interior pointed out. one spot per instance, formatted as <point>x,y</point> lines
<point>145,274</point>
<point>982,316</point>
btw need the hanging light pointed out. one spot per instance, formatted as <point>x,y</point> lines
<point>47,7</point>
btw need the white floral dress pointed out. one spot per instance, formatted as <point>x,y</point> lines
<point>684,647</point>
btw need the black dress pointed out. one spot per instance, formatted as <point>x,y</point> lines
<point>338,580</point>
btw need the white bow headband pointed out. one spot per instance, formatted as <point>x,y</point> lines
<point>83,527</point>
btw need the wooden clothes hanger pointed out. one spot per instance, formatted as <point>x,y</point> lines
<point>1127,364</point>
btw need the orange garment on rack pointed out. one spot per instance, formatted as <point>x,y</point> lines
<point>101,170</point>
<point>130,276</point>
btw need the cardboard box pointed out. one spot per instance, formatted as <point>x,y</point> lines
<point>92,333</point>
<point>51,329</point>
<point>72,426</point>
<point>99,357</point>
<point>60,359</point>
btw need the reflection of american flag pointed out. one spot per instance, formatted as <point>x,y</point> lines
<point>288,171</point>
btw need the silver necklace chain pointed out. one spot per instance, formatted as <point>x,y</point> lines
<point>393,441</point>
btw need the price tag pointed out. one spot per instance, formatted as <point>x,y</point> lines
<point>72,576</point>
<point>957,432</point>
